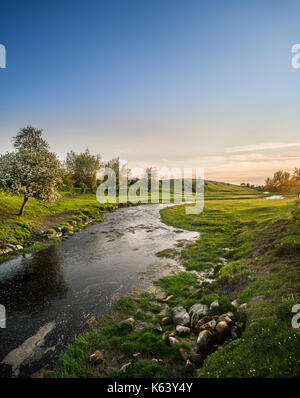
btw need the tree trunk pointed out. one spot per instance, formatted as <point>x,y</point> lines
<point>23,205</point>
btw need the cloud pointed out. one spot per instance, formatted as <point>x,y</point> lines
<point>262,146</point>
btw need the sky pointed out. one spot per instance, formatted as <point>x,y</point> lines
<point>167,83</point>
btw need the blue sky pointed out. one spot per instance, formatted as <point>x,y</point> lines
<point>168,83</point>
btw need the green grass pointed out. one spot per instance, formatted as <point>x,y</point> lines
<point>183,286</point>
<point>18,230</point>
<point>224,225</point>
<point>260,241</point>
<point>143,368</point>
<point>168,253</point>
<point>143,340</point>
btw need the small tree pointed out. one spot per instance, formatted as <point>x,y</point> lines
<point>281,182</point>
<point>32,170</point>
<point>30,139</point>
<point>83,168</point>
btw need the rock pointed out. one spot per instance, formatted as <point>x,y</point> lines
<point>157,328</point>
<point>189,366</point>
<point>166,336</point>
<point>125,367</point>
<point>51,233</point>
<point>225,318</point>
<point>206,319</point>
<point>19,247</point>
<point>242,307</point>
<point>127,322</point>
<point>173,341</point>
<point>222,328</point>
<point>230,315</point>
<point>214,304</point>
<point>201,322</point>
<point>141,325</point>
<point>234,332</point>
<point>209,325</point>
<point>154,360</point>
<point>166,321</point>
<point>7,251</point>
<point>180,316</point>
<point>68,234</point>
<point>168,298</point>
<point>96,358</point>
<point>182,330</point>
<point>136,355</point>
<point>204,340</point>
<point>234,303</point>
<point>184,353</point>
<point>196,312</point>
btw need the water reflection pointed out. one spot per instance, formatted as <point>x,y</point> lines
<point>32,283</point>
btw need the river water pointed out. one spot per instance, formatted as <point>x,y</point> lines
<point>49,295</point>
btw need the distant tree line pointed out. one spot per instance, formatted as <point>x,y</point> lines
<point>282,182</point>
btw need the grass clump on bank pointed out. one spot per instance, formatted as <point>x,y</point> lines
<point>184,288</point>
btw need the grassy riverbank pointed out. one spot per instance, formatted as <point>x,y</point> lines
<point>253,246</point>
<point>261,244</point>
<point>39,217</point>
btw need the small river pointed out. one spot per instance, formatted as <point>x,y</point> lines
<point>50,295</point>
